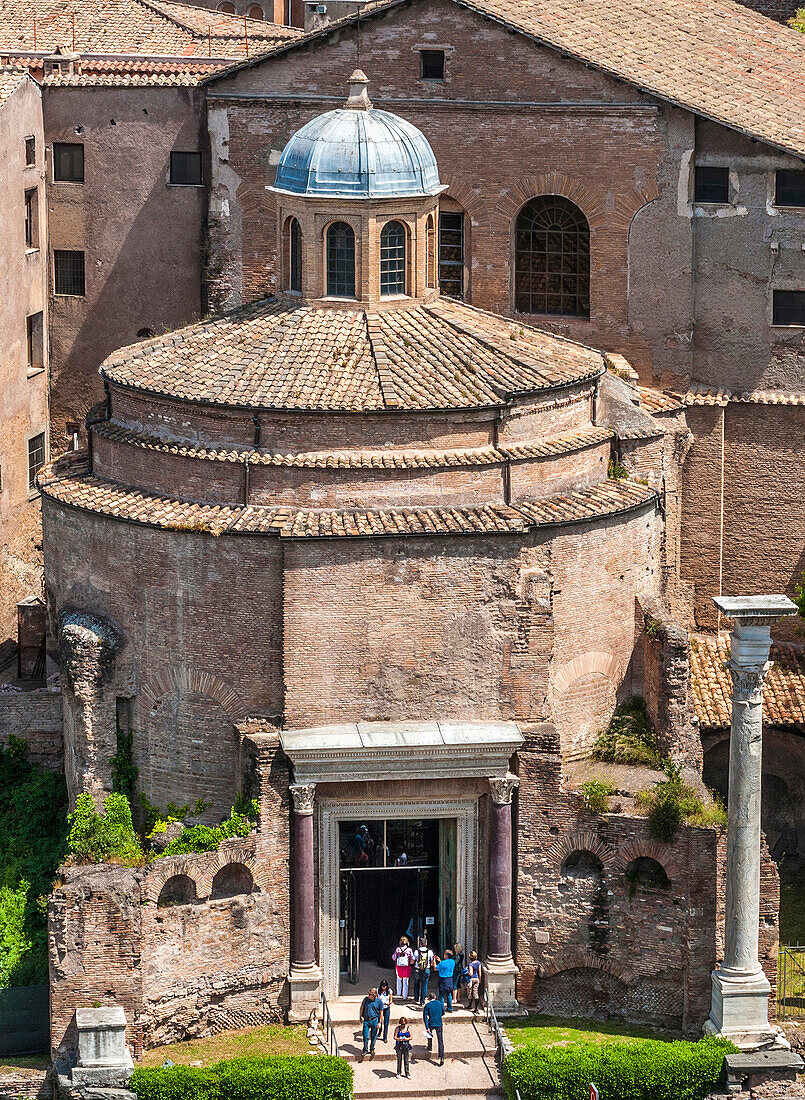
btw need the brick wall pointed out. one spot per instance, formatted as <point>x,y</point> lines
<point>663,652</point>
<point>36,717</point>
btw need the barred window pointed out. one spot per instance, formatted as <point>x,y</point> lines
<point>451,253</point>
<point>430,249</point>
<point>186,169</point>
<point>788,307</point>
<point>295,256</point>
<point>36,459</point>
<point>711,184</point>
<point>68,272</point>
<point>552,258</point>
<point>392,259</point>
<point>68,162</point>
<point>341,260</point>
<point>790,187</point>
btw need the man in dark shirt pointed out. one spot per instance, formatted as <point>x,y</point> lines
<point>370,1015</point>
<point>433,1015</point>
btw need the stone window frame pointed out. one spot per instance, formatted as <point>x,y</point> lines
<point>432,82</point>
<point>714,209</point>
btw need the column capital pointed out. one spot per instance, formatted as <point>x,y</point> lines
<point>747,682</point>
<point>304,795</point>
<point>502,788</point>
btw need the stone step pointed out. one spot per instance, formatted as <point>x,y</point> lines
<point>473,1076</point>
<point>345,1010</point>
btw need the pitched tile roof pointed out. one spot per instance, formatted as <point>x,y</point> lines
<point>655,401</point>
<point>783,692</point>
<point>10,80</point>
<point>357,460</point>
<point>133,72</point>
<point>279,354</point>
<point>68,481</point>
<point>714,57</point>
<point>754,397</point>
<point>150,27</point>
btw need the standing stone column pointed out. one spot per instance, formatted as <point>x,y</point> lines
<point>499,969</point>
<point>740,988</point>
<point>305,976</point>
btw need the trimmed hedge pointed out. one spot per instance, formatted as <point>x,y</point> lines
<point>276,1077</point>
<point>647,1069</point>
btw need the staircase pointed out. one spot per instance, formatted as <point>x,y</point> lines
<point>469,1069</point>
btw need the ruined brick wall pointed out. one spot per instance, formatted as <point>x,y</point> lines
<point>764,521</point>
<point>35,717</point>
<point>665,685</point>
<point>593,938</point>
<point>779,10</point>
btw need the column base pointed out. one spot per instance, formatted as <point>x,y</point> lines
<point>500,973</point>
<point>740,1010</point>
<point>305,983</point>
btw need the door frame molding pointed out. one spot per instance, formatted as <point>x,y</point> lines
<point>332,811</point>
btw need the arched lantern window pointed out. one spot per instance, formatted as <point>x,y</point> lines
<point>392,259</point>
<point>552,258</point>
<point>341,260</point>
<point>295,256</point>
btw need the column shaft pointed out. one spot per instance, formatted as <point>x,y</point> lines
<point>304,911</point>
<point>500,881</point>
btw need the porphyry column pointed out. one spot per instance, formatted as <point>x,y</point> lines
<point>305,976</point>
<point>739,1008</point>
<point>499,970</point>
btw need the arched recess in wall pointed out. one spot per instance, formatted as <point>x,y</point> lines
<point>255,12</point>
<point>293,255</point>
<point>231,880</point>
<point>552,258</point>
<point>226,8</point>
<point>561,990</point>
<point>645,874</point>
<point>584,697</point>
<point>178,890</point>
<point>582,864</point>
<point>658,306</point>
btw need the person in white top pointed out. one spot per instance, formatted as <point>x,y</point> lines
<point>402,964</point>
<point>423,965</point>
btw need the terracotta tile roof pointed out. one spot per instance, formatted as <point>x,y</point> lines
<point>783,692</point>
<point>655,401</point>
<point>10,80</point>
<point>714,57</point>
<point>755,397</point>
<point>69,482</point>
<point>150,27</point>
<point>279,354</point>
<point>134,72</point>
<point>357,460</point>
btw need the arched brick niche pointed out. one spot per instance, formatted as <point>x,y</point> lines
<point>178,890</point>
<point>231,880</point>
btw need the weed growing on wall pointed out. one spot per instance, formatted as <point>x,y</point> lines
<point>206,838</point>
<point>630,737</point>
<point>33,842</point>
<point>596,794</point>
<point>671,802</point>
<point>106,837</point>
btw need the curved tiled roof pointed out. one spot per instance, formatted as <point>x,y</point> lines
<point>713,57</point>
<point>283,355</point>
<point>69,482</point>
<point>10,80</point>
<point>783,690</point>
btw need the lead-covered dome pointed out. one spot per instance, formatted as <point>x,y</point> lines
<point>358,152</point>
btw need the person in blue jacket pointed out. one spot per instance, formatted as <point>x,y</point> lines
<point>433,1015</point>
<point>446,969</point>
<point>370,1016</point>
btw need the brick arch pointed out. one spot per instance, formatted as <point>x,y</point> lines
<point>582,840</point>
<point>251,198</point>
<point>594,661</point>
<point>163,870</point>
<point>464,194</point>
<point>193,681</point>
<point>202,867</point>
<point>577,958</point>
<point>649,849</point>
<point>594,207</point>
<point>246,856</point>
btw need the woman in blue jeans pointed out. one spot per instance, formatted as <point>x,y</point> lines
<point>384,993</point>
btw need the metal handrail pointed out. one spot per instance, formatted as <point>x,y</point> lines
<point>496,1029</point>
<point>329,1029</point>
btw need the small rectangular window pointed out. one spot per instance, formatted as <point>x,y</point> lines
<point>712,184</point>
<point>186,168</point>
<point>30,152</point>
<point>68,162</point>
<point>431,64</point>
<point>36,342</point>
<point>36,459</point>
<point>788,307</point>
<point>32,219</point>
<point>68,273</point>
<point>790,187</point>
<point>451,253</point>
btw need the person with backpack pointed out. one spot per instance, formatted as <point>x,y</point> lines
<point>433,1015</point>
<point>402,963</point>
<point>370,1015</point>
<point>474,984</point>
<point>446,969</point>
<point>402,1044</point>
<point>423,964</point>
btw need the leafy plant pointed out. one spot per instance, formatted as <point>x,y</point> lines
<point>106,837</point>
<point>206,838</point>
<point>647,1069</point>
<point>630,737</point>
<point>596,794</point>
<point>124,773</point>
<point>277,1077</point>
<point>617,470</point>
<point>671,802</point>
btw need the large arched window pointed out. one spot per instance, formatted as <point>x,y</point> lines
<point>392,258</point>
<point>341,260</point>
<point>294,256</point>
<point>552,258</point>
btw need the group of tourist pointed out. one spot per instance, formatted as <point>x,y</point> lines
<point>456,974</point>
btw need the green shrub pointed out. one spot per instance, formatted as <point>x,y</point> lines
<point>596,794</point>
<point>647,1069</point>
<point>671,802</point>
<point>279,1077</point>
<point>206,838</point>
<point>617,470</point>
<point>33,842</point>
<point>630,737</point>
<point>124,773</point>
<point>104,838</point>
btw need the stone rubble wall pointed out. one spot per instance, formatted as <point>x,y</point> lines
<point>36,718</point>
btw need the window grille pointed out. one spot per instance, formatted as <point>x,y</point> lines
<point>36,459</point>
<point>392,259</point>
<point>451,254</point>
<point>295,256</point>
<point>341,261</point>
<point>68,162</point>
<point>186,169</point>
<point>790,187</point>
<point>788,307</point>
<point>552,258</point>
<point>711,184</point>
<point>68,272</point>
<point>431,64</point>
